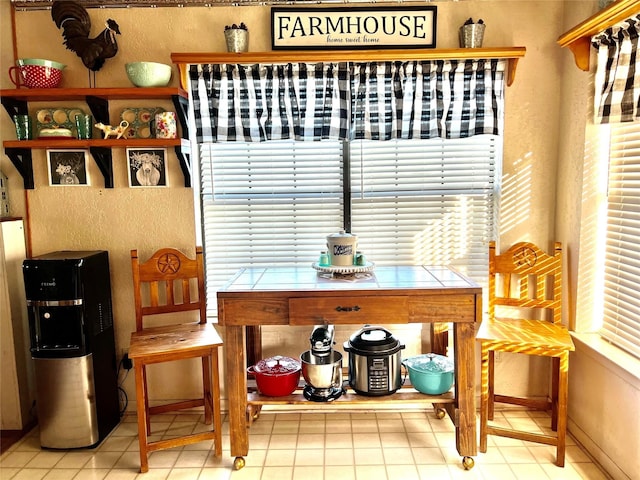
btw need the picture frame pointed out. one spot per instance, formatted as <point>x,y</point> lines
<point>353,28</point>
<point>147,167</point>
<point>67,167</point>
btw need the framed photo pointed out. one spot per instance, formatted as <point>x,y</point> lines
<point>147,167</point>
<point>353,28</point>
<point>68,167</point>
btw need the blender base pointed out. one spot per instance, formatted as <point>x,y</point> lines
<point>322,394</point>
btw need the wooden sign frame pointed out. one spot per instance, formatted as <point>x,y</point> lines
<point>353,28</point>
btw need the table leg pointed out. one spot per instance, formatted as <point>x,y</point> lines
<point>254,344</point>
<point>464,355</point>
<point>237,391</point>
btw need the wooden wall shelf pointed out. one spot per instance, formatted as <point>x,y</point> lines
<point>578,39</point>
<point>511,54</point>
<point>16,101</point>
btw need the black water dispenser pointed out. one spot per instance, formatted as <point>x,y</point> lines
<point>73,347</point>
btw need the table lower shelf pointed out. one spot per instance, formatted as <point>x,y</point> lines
<point>405,395</point>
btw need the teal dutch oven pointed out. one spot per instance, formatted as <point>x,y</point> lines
<point>430,373</point>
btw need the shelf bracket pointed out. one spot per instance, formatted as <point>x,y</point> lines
<point>102,156</point>
<point>182,106</point>
<point>14,106</point>
<point>99,108</point>
<point>21,159</point>
<point>185,164</point>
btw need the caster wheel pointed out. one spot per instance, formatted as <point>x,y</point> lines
<point>253,413</point>
<point>468,463</point>
<point>440,413</point>
<point>238,463</point>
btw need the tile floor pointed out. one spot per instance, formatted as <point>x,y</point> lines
<point>380,445</point>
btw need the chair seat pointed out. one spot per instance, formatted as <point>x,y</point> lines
<point>179,341</point>
<point>519,335</point>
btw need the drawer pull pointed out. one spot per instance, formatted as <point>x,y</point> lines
<point>355,308</point>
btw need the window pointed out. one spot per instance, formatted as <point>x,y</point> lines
<point>409,201</point>
<point>429,202</point>
<point>621,309</point>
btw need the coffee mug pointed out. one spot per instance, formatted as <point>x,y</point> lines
<point>84,127</point>
<point>165,124</point>
<point>24,129</point>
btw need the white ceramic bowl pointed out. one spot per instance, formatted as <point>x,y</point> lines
<point>148,74</point>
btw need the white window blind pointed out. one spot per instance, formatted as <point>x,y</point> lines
<point>621,322</point>
<point>268,203</point>
<point>412,202</point>
<point>428,202</point>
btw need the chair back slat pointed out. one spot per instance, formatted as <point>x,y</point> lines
<point>186,291</point>
<point>525,277</point>
<point>153,294</point>
<point>168,291</point>
<point>167,283</point>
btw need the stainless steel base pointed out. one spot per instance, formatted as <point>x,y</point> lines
<point>66,402</point>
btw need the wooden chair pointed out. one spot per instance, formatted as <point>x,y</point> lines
<point>526,281</point>
<point>166,285</point>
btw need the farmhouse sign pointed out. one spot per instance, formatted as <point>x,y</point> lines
<point>353,27</point>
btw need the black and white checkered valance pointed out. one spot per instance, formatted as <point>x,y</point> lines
<point>427,99</point>
<point>378,101</point>
<point>617,82</point>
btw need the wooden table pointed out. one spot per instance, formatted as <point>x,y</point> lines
<point>300,296</point>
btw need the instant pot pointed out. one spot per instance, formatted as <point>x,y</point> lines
<point>374,361</point>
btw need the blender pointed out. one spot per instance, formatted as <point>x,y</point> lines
<point>322,366</point>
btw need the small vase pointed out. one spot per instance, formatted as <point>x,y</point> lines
<point>471,35</point>
<point>237,39</point>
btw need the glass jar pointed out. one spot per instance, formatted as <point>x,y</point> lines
<point>324,259</point>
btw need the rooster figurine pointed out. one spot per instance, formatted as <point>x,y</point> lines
<point>75,23</point>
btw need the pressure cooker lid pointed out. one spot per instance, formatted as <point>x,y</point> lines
<point>374,339</point>
<point>430,363</point>
<point>277,365</point>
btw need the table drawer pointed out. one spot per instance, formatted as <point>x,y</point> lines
<point>261,311</point>
<point>348,309</point>
<point>443,308</point>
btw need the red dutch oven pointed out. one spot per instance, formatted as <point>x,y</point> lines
<point>276,376</point>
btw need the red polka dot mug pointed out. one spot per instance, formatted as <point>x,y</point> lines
<point>36,73</point>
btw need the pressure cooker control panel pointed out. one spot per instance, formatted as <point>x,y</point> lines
<point>378,373</point>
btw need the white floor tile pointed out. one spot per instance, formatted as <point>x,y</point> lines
<point>340,472</point>
<point>280,458</point>
<point>339,456</point>
<point>277,473</point>
<point>61,474</point>
<point>369,472</point>
<point>368,456</point>
<point>30,474</point>
<point>309,446</point>
<point>498,471</point>
<point>184,473</point>
<point>432,472</point>
<point>308,473</point>
<point>157,474</point>
<point>213,474</point>
<point>428,455</point>
<point>402,472</point>
<point>529,471</point>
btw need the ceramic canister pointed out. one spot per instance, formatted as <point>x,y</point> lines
<point>342,247</point>
<point>166,125</point>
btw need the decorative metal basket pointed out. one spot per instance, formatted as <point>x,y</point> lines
<point>237,39</point>
<point>471,35</point>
